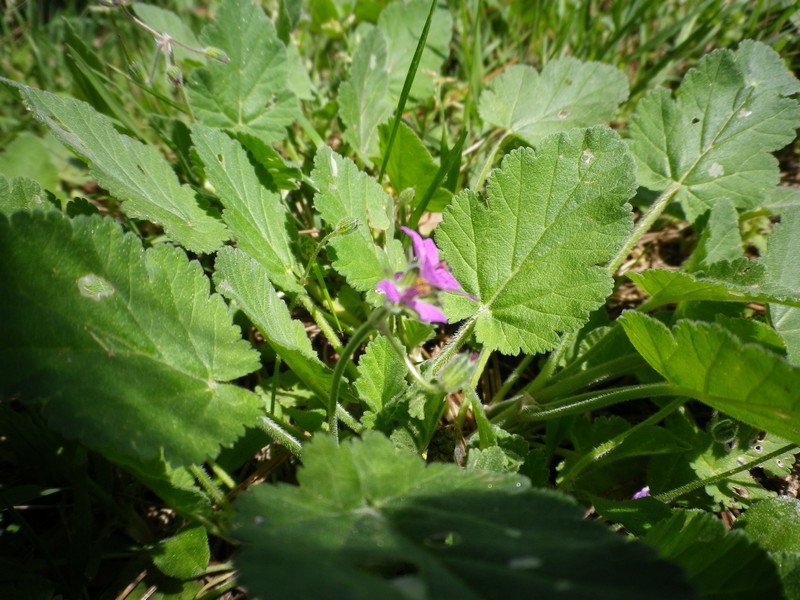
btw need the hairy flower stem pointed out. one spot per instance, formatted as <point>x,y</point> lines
<point>595,400</point>
<point>453,346</point>
<point>377,316</point>
<point>672,495</point>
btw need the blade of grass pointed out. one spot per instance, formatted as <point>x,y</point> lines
<point>412,72</point>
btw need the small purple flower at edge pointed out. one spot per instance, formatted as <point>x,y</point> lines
<point>642,493</point>
<point>425,279</point>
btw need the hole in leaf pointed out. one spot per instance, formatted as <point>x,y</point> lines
<point>220,159</point>
<point>95,287</point>
<point>695,121</point>
<point>779,462</point>
<point>758,448</point>
<point>563,113</point>
<point>443,540</point>
<point>388,567</point>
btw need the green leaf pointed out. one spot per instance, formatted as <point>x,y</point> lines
<point>724,565</point>
<point>251,92</point>
<point>184,555</point>
<point>713,139</point>
<point>412,166</point>
<point>774,524</point>
<point>245,280</point>
<point>373,522</point>
<point>21,193</point>
<point>347,193</point>
<point>530,253</point>
<point>27,156</point>
<point>568,93</point>
<point>126,348</point>
<point>402,24</point>
<point>720,239</point>
<point>783,268</point>
<point>740,281</point>
<point>363,103</point>
<point>707,363</point>
<point>128,169</point>
<point>382,374</point>
<point>257,217</point>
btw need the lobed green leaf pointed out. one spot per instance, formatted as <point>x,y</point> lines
<point>128,169</point>
<point>126,348</point>
<point>257,217</point>
<point>567,93</point>
<point>251,92</point>
<point>373,522</point>
<point>708,363</point>
<point>713,139</point>
<point>531,251</point>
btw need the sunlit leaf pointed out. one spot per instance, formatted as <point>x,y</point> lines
<point>250,93</point>
<point>128,169</point>
<point>567,93</point>
<point>708,363</point>
<point>257,217</point>
<point>713,139</point>
<point>530,252</point>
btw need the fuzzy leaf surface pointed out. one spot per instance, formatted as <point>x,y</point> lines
<point>567,93</point>
<point>382,374</point>
<point>128,169</point>
<point>362,98</point>
<point>530,252</point>
<point>347,193</point>
<point>744,381</point>
<point>369,519</point>
<point>713,140</point>
<point>240,277</point>
<point>783,268</point>
<point>256,216</point>
<point>724,565</point>
<point>250,93</point>
<point>20,193</point>
<point>126,347</point>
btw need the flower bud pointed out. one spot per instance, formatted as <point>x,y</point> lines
<point>216,54</point>
<point>174,75</point>
<point>346,225</point>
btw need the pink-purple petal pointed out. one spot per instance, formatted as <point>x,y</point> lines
<point>427,311</point>
<point>388,287</point>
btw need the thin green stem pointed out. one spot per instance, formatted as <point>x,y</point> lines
<point>550,364</point>
<point>274,430</point>
<point>512,379</point>
<point>672,495</point>
<point>487,166</point>
<point>606,448</point>
<point>644,224</point>
<point>591,376</point>
<point>213,491</point>
<point>453,346</point>
<point>410,366</point>
<point>596,400</point>
<point>320,319</point>
<point>358,338</point>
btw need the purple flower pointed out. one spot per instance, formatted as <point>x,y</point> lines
<point>418,288</point>
<point>642,493</point>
